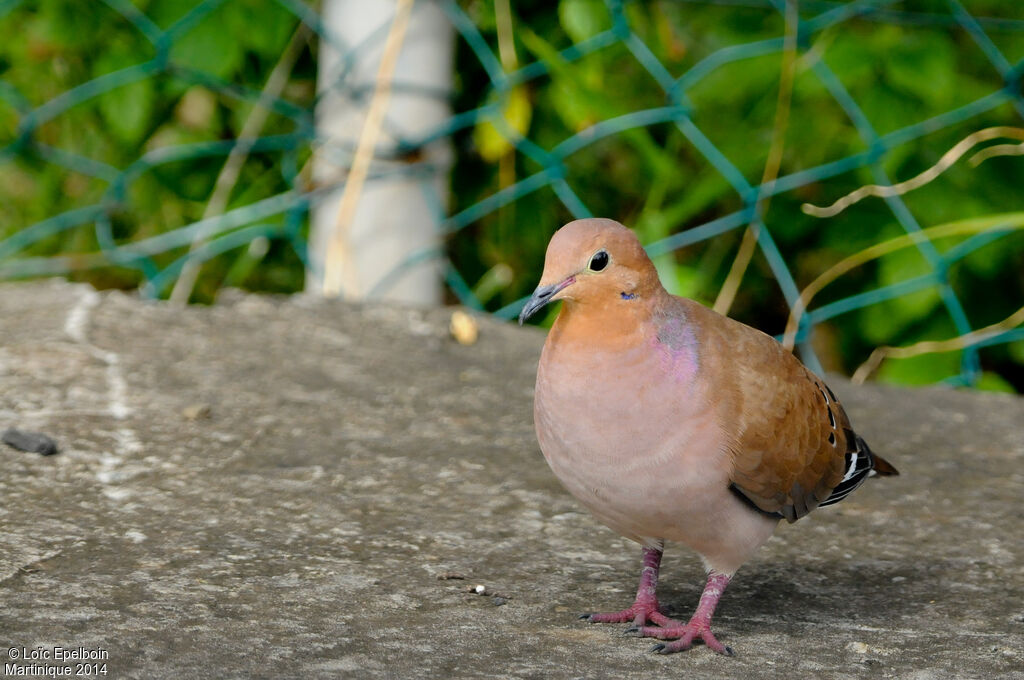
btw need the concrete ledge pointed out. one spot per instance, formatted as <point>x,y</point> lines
<point>350,457</point>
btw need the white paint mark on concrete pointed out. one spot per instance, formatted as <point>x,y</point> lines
<point>118,387</point>
<point>76,326</point>
<point>78,318</point>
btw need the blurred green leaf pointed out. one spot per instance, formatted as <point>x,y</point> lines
<point>164,13</point>
<point>907,309</point>
<point>570,100</point>
<point>993,382</point>
<point>583,19</point>
<point>679,279</point>
<point>920,370</point>
<point>849,54</point>
<point>205,48</point>
<point>245,262</point>
<point>517,111</point>
<point>70,24</point>
<point>260,26</point>
<point>494,280</point>
<point>126,109</point>
<point>922,64</point>
<point>1016,350</point>
<point>994,257</point>
<point>581,105</point>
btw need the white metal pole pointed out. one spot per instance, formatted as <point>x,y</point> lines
<point>393,218</point>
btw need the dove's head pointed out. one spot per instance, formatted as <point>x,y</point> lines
<point>593,262</point>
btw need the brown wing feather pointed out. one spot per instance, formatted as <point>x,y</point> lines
<point>791,433</point>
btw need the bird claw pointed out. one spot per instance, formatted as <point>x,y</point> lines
<point>635,615</point>
<point>685,637</point>
<point>679,636</point>
<point>662,648</point>
<point>638,615</point>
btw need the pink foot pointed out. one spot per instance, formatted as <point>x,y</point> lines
<point>639,615</point>
<point>686,635</point>
<point>645,608</point>
<point>698,628</point>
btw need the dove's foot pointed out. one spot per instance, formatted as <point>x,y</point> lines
<point>683,636</point>
<point>699,627</point>
<point>639,615</point>
<point>645,608</point>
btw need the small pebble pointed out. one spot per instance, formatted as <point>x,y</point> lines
<point>498,601</point>
<point>464,328</point>
<point>451,576</point>
<point>196,411</point>
<point>480,589</point>
<point>33,442</point>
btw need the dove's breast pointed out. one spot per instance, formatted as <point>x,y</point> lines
<point>627,433</point>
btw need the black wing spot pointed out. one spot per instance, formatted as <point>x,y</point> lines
<point>832,438</point>
<point>859,463</point>
<point>751,504</point>
<point>831,418</point>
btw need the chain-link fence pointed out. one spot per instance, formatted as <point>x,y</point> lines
<point>100,218</point>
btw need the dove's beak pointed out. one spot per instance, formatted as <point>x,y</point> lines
<point>542,296</point>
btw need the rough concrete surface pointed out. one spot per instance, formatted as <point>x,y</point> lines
<point>272,488</point>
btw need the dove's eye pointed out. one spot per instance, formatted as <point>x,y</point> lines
<point>599,261</point>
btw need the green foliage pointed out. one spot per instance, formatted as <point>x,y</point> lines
<point>653,177</point>
<point>50,47</point>
<point>516,111</point>
<point>654,180</point>
<point>920,370</point>
<point>126,110</point>
<point>582,19</point>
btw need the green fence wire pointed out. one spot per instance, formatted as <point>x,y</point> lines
<point>284,216</point>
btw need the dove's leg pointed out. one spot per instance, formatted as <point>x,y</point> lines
<point>699,626</point>
<point>645,608</point>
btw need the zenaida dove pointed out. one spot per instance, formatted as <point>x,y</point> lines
<point>670,422</point>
